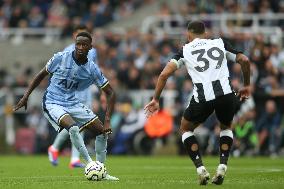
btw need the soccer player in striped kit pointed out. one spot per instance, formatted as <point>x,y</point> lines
<point>206,63</point>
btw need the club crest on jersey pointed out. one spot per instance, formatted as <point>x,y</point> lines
<point>68,84</point>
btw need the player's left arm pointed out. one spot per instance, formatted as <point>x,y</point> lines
<point>110,94</point>
<point>243,60</point>
<point>34,83</point>
<point>245,91</point>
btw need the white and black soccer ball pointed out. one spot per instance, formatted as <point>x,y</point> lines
<point>95,170</point>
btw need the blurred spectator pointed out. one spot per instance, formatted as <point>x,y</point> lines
<point>57,14</point>
<point>16,16</point>
<point>245,137</point>
<point>268,129</point>
<point>35,18</point>
<point>131,122</point>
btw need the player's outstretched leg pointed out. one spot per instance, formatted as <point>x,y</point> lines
<point>75,157</point>
<point>101,151</point>
<point>226,141</point>
<point>191,146</point>
<point>78,142</point>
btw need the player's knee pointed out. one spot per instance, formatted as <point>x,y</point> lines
<point>187,126</point>
<point>74,130</point>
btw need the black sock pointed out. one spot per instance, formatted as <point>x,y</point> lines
<point>225,147</point>
<point>192,148</point>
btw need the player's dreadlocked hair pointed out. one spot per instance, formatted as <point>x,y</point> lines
<point>196,27</point>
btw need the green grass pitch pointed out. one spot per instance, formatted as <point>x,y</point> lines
<point>160,172</point>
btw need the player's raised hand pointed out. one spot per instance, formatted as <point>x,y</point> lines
<point>151,108</point>
<point>21,103</point>
<point>244,93</point>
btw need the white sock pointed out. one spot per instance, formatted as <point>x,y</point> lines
<point>101,148</point>
<point>75,154</point>
<point>78,142</point>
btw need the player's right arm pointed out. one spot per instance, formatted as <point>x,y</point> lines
<point>153,106</point>
<point>34,83</point>
<point>50,67</point>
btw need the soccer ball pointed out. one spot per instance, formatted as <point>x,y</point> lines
<point>95,170</point>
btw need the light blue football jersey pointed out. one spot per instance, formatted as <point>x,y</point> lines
<point>85,96</point>
<point>67,77</point>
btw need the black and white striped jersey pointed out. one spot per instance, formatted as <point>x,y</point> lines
<point>206,63</point>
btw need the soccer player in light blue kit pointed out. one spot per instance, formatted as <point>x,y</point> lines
<point>70,72</point>
<point>85,97</point>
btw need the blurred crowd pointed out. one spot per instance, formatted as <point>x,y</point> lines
<point>64,14</point>
<point>133,61</point>
<point>223,6</point>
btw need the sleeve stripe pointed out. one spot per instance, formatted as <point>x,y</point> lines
<point>105,84</point>
<point>231,56</point>
<point>176,63</point>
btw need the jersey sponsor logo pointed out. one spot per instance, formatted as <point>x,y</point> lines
<point>68,84</point>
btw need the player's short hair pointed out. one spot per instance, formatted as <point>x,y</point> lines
<point>84,34</point>
<point>196,27</point>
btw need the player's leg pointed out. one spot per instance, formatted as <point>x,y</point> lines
<point>75,157</point>
<point>53,150</point>
<point>101,148</point>
<point>100,145</point>
<point>225,108</point>
<point>69,124</point>
<point>191,145</point>
<point>90,121</point>
<point>61,120</point>
<point>195,114</point>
